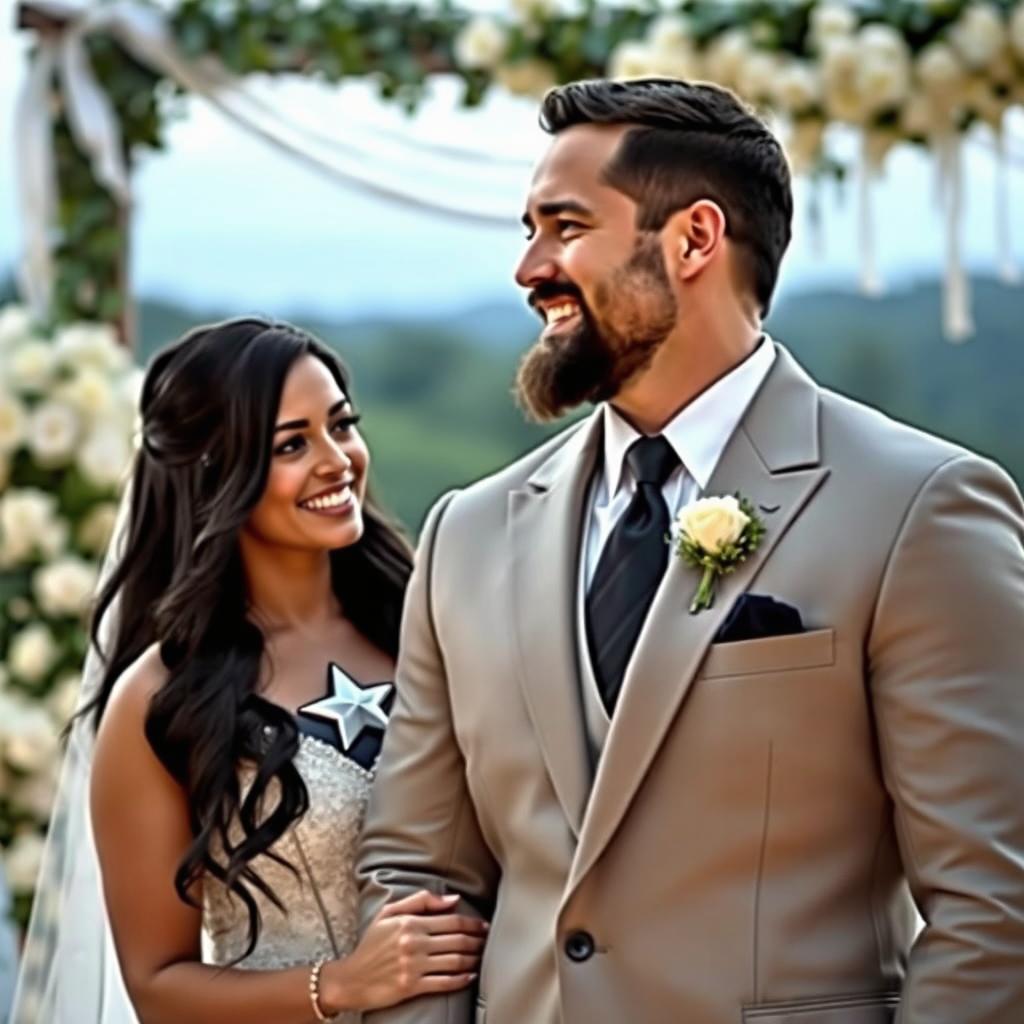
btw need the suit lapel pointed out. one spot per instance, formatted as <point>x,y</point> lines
<point>545,527</point>
<point>773,463</point>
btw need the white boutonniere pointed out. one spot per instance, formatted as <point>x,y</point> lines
<point>715,535</point>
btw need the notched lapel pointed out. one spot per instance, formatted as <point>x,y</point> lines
<point>545,529</point>
<point>673,642</point>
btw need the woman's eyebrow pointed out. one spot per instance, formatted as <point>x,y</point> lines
<point>299,424</point>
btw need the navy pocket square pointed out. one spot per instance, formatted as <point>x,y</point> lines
<point>756,616</point>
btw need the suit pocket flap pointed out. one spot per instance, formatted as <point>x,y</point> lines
<point>866,1009</point>
<point>771,654</point>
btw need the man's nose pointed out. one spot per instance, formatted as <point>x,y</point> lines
<point>535,267</point>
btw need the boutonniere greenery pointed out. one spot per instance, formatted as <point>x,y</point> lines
<point>715,535</point>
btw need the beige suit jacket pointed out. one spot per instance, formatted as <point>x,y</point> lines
<point>765,814</point>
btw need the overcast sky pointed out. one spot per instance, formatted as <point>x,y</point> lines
<point>225,222</point>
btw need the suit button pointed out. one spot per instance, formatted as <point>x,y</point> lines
<point>579,947</point>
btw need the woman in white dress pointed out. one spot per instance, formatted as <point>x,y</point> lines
<point>247,679</point>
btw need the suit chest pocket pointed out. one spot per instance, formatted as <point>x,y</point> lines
<point>816,649</point>
<point>877,1008</point>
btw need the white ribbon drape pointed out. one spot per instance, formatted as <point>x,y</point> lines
<point>144,32</point>
<point>958,324</point>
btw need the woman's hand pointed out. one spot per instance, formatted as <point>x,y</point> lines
<point>413,947</point>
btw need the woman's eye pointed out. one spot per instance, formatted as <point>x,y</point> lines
<point>291,446</point>
<point>345,424</point>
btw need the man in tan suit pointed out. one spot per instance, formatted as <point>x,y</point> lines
<point>727,816</point>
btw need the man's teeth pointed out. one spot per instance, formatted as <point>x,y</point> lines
<point>562,312</point>
<point>328,501</point>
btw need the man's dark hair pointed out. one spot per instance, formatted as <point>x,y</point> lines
<point>691,141</point>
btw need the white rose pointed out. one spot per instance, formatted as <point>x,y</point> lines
<point>63,701</point>
<point>831,20</point>
<point>726,55</point>
<point>797,87</point>
<point>30,740</point>
<point>35,747</point>
<point>97,528</point>
<point>757,76</point>
<point>15,325</point>
<point>22,862</point>
<point>31,366</point>
<point>1017,30</point>
<point>883,41</point>
<point>839,61</point>
<point>32,653</point>
<point>65,587</point>
<point>91,344</point>
<point>53,433</point>
<point>840,67</point>
<point>713,523</point>
<point>481,44</point>
<point>670,32</point>
<point>804,143</point>
<point>27,516</point>
<point>89,391</point>
<point>631,59</point>
<point>37,793</point>
<point>13,422</point>
<point>12,708</point>
<point>978,35</point>
<point>534,10</point>
<point>939,71</point>
<point>526,77</point>
<point>105,455</point>
<point>883,83</point>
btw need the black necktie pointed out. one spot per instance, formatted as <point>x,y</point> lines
<point>630,567</point>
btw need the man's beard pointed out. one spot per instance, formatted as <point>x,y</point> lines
<point>594,362</point>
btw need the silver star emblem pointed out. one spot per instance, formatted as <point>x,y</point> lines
<point>350,708</point>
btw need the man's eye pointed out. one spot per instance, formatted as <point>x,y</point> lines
<point>569,225</point>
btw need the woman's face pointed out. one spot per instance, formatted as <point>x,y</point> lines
<point>318,467</point>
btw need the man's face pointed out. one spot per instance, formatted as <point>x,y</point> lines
<point>599,284</point>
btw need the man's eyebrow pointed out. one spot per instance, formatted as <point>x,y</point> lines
<point>553,209</point>
<point>556,207</point>
<point>300,424</point>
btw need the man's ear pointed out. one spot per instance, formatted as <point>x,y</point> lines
<point>694,236</point>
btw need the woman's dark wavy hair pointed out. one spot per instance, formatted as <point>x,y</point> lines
<point>209,405</point>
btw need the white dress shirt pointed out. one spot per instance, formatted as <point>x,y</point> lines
<point>699,435</point>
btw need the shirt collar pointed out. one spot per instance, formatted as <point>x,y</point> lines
<point>700,431</point>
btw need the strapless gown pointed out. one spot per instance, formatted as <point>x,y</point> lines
<point>321,899</point>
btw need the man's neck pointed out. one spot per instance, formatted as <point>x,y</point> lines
<point>681,369</point>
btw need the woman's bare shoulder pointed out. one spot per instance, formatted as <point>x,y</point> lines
<point>134,689</point>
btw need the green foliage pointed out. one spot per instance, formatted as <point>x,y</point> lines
<point>439,410</point>
<point>398,46</point>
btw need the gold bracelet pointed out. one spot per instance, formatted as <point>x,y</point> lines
<point>314,989</point>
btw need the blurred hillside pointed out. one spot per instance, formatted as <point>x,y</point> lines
<point>438,409</point>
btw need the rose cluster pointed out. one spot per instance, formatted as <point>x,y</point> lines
<point>899,75</point>
<point>67,419</point>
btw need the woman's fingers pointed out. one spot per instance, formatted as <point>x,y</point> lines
<point>433,983</point>
<point>454,943</point>
<point>438,924</point>
<point>451,963</point>
<point>421,902</point>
